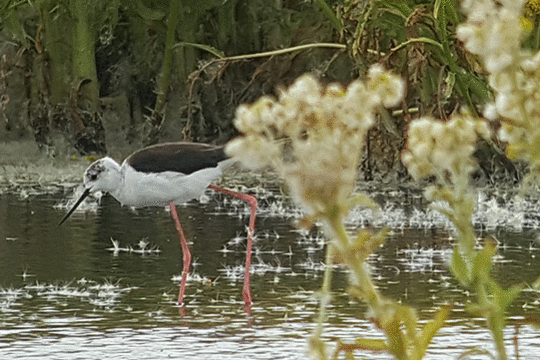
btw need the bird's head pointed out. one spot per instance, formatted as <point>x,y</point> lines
<point>102,175</point>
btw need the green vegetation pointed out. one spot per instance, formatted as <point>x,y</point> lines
<point>153,51</point>
<point>78,53</point>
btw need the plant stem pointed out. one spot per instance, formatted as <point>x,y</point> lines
<point>83,53</point>
<point>359,275</point>
<point>324,299</point>
<point>56,48</point>
<point>283,51</point>
<point>166,67</point>
<point>493,313</point>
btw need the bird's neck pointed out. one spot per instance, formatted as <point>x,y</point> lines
<point>117,188</point>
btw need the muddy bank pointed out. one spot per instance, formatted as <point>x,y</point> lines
<point>23,164</point>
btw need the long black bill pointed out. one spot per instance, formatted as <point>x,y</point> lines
<point>81,199</point>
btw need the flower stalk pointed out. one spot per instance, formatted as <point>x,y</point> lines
<point>313,136</point>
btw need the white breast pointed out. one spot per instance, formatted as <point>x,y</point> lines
<point>147,189</point>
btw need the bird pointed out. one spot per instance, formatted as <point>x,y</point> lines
<point>168,174</point>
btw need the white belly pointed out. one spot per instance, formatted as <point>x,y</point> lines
<point>142,189</point>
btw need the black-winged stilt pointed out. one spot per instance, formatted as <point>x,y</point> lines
<point>167,174</point>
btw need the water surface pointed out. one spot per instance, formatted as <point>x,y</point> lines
<point>67,292</point>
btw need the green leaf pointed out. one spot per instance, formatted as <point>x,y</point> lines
<point>408,317</point>
<point>10,22</point>
<point>506,297</point>
<point>482,262</point>
<point>362,200</point>
<point>475,309</point>
<point>149,14</point>
<point>430,329</point>
<point>451,13</point>
<point>421,40</point>
<point>370,344</point>
<point>404,9</point>
<point>437,8</point>
<point>396,339</point>
<point>450,82</point>
<point>459,268</point>
<point>212,50</point>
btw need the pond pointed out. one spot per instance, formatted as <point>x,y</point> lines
<point>68,293</point>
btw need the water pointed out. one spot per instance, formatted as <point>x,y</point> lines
<point>68,293</point>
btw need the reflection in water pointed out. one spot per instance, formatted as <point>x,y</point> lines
<point>71,292</point>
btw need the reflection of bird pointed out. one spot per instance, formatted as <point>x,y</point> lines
<point>167,174</point>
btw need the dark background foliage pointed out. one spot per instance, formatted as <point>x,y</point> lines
<point>112,76</point>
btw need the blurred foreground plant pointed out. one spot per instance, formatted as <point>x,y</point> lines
<point>494,31</point>
<point>444,151</point>
<point>313,136</point>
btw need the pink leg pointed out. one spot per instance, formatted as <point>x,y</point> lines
<point>252,201</point>
<point>186,254</point>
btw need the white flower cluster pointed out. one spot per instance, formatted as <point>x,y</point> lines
<point>313,135</point>
<point>494,31</point>
<point>443,149</point>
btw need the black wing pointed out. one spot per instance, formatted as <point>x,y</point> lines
<point>182,157</point>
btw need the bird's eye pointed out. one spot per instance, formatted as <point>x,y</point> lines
<point>92,175</point>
